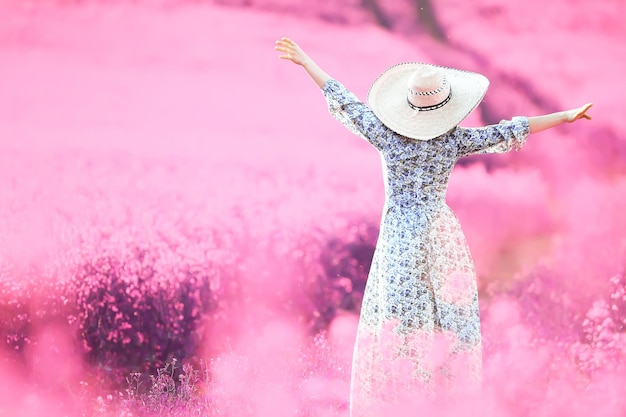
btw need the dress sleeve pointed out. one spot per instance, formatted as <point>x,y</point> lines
<point>500,138</point>
<point>344,106</point>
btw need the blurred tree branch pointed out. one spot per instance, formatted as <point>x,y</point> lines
<point>379,14</point>
<point>426,16</point>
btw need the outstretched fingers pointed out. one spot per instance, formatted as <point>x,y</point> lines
<point>579,113</point>
<point>284,46</point>
<point>583,111</point>
<point>290,50</point>
<point>285,43</point>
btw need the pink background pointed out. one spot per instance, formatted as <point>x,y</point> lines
<point>151,122</point>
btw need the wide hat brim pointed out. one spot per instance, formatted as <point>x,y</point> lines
<point>387,97</point>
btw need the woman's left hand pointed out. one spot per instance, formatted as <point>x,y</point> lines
<point>291,51</point>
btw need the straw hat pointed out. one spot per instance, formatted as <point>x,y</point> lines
<point>423,101</point>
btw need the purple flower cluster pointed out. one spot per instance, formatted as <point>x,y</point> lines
<point>14,314</point>
<point>344,261</point>
<point>133,315</point>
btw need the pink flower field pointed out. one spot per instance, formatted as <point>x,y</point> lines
<point>185,231</point>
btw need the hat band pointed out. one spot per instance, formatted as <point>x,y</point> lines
<point>444,82</point>
<point>433,107</point>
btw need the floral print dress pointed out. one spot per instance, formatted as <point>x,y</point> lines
<point>419,329</point>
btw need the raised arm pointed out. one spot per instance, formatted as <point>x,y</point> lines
<point>343,105</point>
<point>292,52</point>
<point>539,123</point>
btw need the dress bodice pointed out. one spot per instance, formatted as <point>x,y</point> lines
<point>417,171</point>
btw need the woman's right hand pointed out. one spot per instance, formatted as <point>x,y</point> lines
<point>579,113</point>
<point>291,51</point>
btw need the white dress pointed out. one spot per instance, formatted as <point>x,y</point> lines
<point>419,329</point>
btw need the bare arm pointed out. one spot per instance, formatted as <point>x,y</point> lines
<point>292,52</point>
<point>539,123</point>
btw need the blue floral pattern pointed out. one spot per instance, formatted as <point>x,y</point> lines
<point>421,294</point>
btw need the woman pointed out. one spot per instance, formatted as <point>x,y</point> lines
<point>419,329</point>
